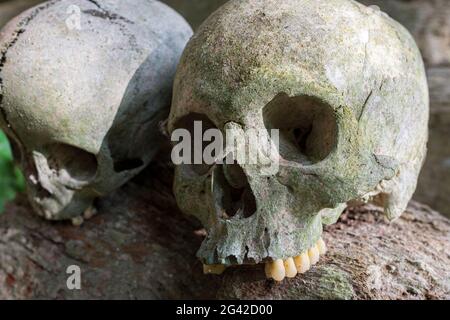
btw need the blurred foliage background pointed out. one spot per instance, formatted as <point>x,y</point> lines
<point>429,23</point>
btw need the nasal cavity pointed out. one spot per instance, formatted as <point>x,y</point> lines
<point>238,198</point>
<point>307,127</point>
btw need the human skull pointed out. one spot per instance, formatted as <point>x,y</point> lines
<point>83,87</point>
<point>346,87</point>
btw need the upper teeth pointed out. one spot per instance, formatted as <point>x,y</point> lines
<point>214,269</point>
<point>280,269</point>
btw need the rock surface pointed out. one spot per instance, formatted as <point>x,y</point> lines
<point>195,11</point>
<point>9,9</point>
<point>140,246</point>
<point>434,183</point>
<point>428,21</point>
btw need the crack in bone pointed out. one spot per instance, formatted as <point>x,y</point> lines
<point>366,102</point>
<point>113,18</point>
<point>105,14</point>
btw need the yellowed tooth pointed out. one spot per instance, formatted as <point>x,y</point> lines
<point>314,255</point>
<point>268,270</point>
<point>289,266</point>
<point>276,270</point>
<point>89,213</point>
<point>77,221</point>
<point>214,269</point>
<point>302,263</point>
<point>322,246</point>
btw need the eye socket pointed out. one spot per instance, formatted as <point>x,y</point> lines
<point>308,127</point>
<point>189,123</point>
<point>79,164</point>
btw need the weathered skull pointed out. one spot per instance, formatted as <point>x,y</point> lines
<point>346,87</point>
<point>83,86</point>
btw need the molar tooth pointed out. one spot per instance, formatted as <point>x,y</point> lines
<point>322,246</point>
<point>314,255</point>
<point>276,270</point>
<point>302,263</point>
<point>89,213</point>
<point>291,270</point>
<point>77,221</point>
<point>217,269</point>
<point>268,270</point>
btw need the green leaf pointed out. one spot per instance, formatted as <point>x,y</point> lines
<point>11,179</point>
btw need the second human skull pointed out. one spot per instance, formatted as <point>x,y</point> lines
<point>84,85</point>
